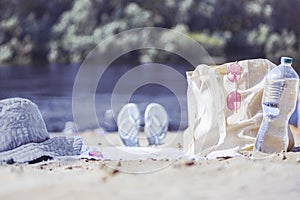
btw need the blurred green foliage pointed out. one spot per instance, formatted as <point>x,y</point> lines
<point>64,31</point>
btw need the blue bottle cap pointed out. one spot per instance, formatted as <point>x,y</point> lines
<point>286,60</point>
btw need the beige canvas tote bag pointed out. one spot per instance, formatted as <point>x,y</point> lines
<point>224,105</point>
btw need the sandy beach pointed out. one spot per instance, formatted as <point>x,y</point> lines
<point>274,176</point>
<point>227,71</point>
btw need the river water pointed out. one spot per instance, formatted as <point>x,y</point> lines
<point>50,87</point>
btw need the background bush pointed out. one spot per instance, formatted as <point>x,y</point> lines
<point>64,31</point>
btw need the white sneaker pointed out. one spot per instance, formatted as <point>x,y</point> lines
<point>156,123</point>
<point>128,122</point>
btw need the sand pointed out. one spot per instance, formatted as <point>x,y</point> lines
<point>275,176</point>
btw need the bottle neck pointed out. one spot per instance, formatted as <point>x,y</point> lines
<point>286,64</point>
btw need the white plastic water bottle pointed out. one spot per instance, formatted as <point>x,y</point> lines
<point>278,103</point>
